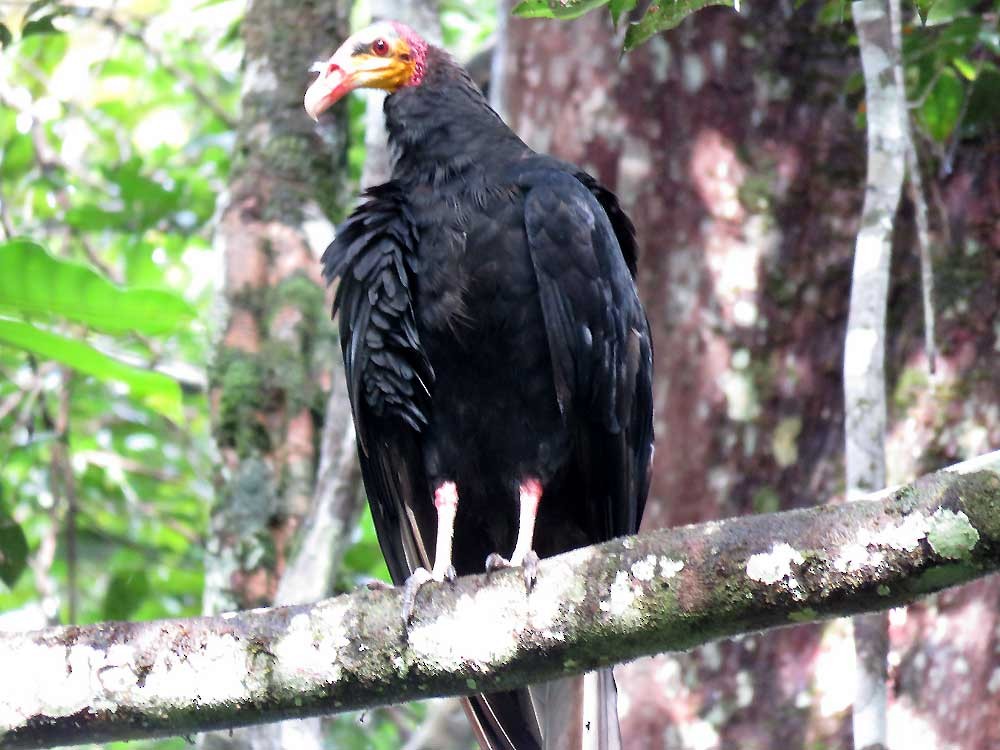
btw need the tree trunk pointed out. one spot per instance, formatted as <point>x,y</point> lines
<point>732,144</point>
<point>275,360</point>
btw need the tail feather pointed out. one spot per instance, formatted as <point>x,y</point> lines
<point>575,713</point>
<point>504,721</point>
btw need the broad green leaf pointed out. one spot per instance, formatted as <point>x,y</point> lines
<point>940,110</point>
<point>34,283</point>
<point>13,548</point>
<point>18,157</point>
<point>156,390</point>
<point>564,9</point>
<point>46,51</point>
<point>91,218</point>
<point>41,25</point>
<point>5,36</point>
<point>663,16</point>
<point>946,11</point>
<point>125,593</point>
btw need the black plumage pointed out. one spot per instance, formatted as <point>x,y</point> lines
<point>491,334</point>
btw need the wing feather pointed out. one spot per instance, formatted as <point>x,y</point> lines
<point>583,251</point>
<point>388,374</point>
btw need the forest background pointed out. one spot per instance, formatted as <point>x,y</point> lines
<point>172,436</point>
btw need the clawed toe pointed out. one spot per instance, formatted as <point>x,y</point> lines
<point>529,566</point>
<point>416,581</point>
<point>496,562</point>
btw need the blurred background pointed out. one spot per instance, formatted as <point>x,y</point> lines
<point>174,436</point>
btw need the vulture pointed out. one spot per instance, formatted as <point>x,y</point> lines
<point>497,357</point>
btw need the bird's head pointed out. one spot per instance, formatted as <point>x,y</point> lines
<point>386,55</point>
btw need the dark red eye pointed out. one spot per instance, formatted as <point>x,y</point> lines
<point>380,47</point>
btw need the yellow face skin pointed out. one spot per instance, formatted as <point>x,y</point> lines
<point>377,57</point>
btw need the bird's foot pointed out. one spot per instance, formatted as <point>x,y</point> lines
<point>416,581</point>
<point>528,564</point>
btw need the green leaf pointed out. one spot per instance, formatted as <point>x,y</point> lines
<point>923,8</point>
<point>18,157</point>
<point>945,11</point>
<point>619,7</point>
<point>33,283</point>
<point>564,9</point>
<point>940,110</point>
<point>42,25</point>
<point>126,591</point>
<point>966,68</point>
<point>5,36</point>
<point>13,548</point>
<point>664,15</point>
<point>156,390</point>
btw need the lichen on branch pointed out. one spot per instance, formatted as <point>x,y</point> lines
<point>665,590</point>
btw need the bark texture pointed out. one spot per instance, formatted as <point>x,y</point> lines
<point>732,143</point>
<point>878,26</point>
<point>272,366</point>
<point>665,590</point>
<point>275,359</point>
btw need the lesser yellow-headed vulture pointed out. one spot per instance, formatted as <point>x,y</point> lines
<point>497,356</point>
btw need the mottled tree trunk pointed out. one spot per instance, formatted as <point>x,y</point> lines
<point>274,363</point>
<point>732,143</point>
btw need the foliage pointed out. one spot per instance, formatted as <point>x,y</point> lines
<point>109,169</point>
<point>117,128</point>
<point>656,17</point>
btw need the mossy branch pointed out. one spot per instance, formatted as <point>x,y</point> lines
<point>662,591</point>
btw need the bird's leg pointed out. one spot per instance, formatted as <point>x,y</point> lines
<point>446,502</point>
<point>529,496</point>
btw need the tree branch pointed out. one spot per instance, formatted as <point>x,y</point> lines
<point>878,26</point>
<point>666,590</point>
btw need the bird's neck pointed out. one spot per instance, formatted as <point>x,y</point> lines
<point>444,125</point>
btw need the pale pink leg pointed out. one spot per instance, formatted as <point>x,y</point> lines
<point>446,502</point>
<point>530,496</point>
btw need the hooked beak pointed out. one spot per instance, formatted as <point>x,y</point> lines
<point>336,80</point>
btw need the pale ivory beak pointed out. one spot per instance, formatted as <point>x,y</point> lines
<point>334,82</point>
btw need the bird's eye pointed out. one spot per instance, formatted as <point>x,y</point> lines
<point>380,47</point>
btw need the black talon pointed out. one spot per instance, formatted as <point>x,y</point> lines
<point>530,569</point>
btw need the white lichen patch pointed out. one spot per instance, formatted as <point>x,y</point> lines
<point>867,549</point>
<point>483,629</point>
<point>670,567</point>
<point>220,669</point>
<point>557,593</point>
<point>309,651</point>
<point>776,565</point>
<point>34,664</point>
<point>951,534</point>
<point>645,569</point>
<point>621,596</point>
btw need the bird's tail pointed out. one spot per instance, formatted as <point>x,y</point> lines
<point>575,713</point>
